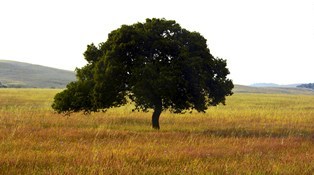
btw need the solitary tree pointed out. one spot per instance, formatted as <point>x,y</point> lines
<point>157,65</point>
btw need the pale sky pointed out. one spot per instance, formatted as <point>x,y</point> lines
<point>263,41</point>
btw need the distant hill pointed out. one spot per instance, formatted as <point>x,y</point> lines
<point>25,75</point>
<point>273,85</point>
<point>272,90</point>
<point>264,85</point>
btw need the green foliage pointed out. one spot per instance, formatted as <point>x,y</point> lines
<point>309,86</point>
<point>156,64</point>
<point>77,97</point>
<point>2,85</point>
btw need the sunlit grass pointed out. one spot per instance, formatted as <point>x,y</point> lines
<point>252,134</point>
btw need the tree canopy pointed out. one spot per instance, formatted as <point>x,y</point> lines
<point>156,65</point>
<point>309,86</point>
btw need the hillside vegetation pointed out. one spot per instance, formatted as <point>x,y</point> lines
<point>309,86</point>
<point>24,75</point>
<point>255,133</point>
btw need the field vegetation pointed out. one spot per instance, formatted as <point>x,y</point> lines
<point>252,134</point>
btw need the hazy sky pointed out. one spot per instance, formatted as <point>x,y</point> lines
<point>262,40</point>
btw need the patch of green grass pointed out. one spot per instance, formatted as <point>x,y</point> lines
<point>252,134</point>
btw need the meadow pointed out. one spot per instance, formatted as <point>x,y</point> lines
<point>255,133</point>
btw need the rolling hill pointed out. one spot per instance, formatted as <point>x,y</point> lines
<point>274,85</point>
<point>25,75</point>
<point>272,90</point>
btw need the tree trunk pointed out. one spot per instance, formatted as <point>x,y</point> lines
<point>156,114</point>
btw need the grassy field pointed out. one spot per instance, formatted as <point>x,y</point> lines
<point>252,134</point>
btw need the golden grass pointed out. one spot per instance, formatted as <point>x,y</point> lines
<point>252,134</point>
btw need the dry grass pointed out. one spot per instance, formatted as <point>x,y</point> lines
<point>253,134</point>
